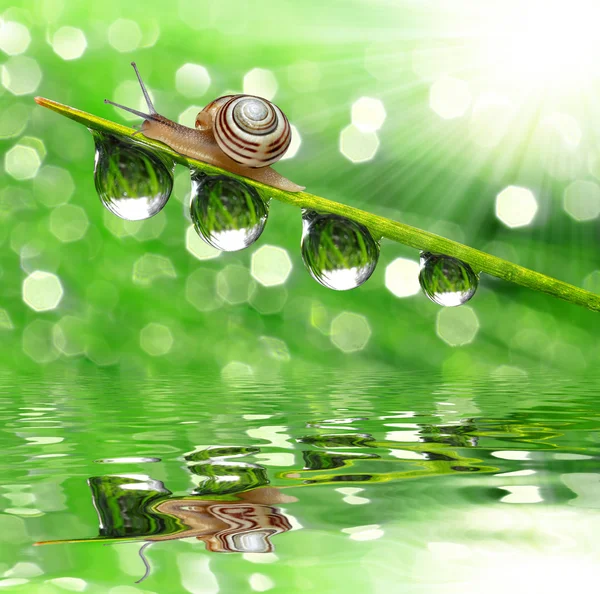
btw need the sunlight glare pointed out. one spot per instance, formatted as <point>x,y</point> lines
<point>544,42</point>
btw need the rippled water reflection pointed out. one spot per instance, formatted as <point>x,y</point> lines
<point>341,483</point>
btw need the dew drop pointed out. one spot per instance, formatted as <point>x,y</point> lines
<point>339,253</point>
<point>132,182</point>
<point>227,214</point>
<point>446,280</point>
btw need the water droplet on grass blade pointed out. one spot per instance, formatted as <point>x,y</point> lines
<point>339,253</point>
<point>447,281</point>
<point>132,182</point>
<point>228,214</point>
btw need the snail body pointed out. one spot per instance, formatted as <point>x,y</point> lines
<point>243,134</point>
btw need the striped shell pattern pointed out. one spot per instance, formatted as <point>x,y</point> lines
<point>252,131</point>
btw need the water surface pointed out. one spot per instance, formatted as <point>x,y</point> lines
<point>326,483</point>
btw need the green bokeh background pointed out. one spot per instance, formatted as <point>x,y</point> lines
<point>148,353</point>
<point>120,276</point>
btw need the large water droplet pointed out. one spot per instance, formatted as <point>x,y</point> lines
<point>227,214</point>
<point>132,182</point>
<point>446,280</point>
<point>339,253</point>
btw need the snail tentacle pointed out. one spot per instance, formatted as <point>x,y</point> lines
<point>243,134</point>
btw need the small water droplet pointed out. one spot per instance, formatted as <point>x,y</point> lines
<point>339,253</point>
<point>228,214</point>
<point>132,182</point>
<point>446,280</point>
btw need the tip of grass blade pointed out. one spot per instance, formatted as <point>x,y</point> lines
<point>87,119</point>
<point>54,105</point>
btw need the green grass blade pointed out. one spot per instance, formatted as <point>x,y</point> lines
<point>379,226</point>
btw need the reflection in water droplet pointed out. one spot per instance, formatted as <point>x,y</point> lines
<point>314,460</point>
<point>227,214</point>
<point>339,253</point>
<point>132,182</point>
<point>446,280</point>
<point>338,440</point>
<point>219,452</point>
<point>223,477</point>
<point>117,500</point>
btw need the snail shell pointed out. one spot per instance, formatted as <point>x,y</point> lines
<point>248,129</point>
<point>243,134</point>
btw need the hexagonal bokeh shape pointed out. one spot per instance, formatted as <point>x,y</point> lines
<point>119,227</point>
<point>402,277</point>
<point>516,206</point>
<point>592,282</point>
<point>53,186</point>
<point>192,80</point>
<point>101,352</point>
<point>234,284</point>
<point>42,291</point>
<point>271,265</point>
<point>350,332</point>
<point>156,339</point>
<point>124,35</point>
<point>35,143</point>
<point>69,335</point>
<point>149,229</point>
<point>358,146</point>
<point>198,247</point>
<point>582,200</point>
<point>37,342</point>
<point>268,300</point>
<point>260,82</point>
<point>236,370</point>
<point>13,119</point>
<point>188,118</point>
<point>368,114</point>
<point>201,290</point>
<point>457,326</point>
<point>14,37</point>
<point>150,267</point>
<point>275,348</point>
<point>450,97</point>
<point>21,75</point>
<point>68,223</point>
<point>294,144</point>
<point>22,162</point>
<point>69,43</point>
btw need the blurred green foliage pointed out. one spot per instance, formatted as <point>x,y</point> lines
<point>135,296</point>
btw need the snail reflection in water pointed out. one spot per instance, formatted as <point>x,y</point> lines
<point>242,526</point>
<point>243,134</point>
<point>133,509</point>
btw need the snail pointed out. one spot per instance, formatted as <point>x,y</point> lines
<point>243,134</point>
